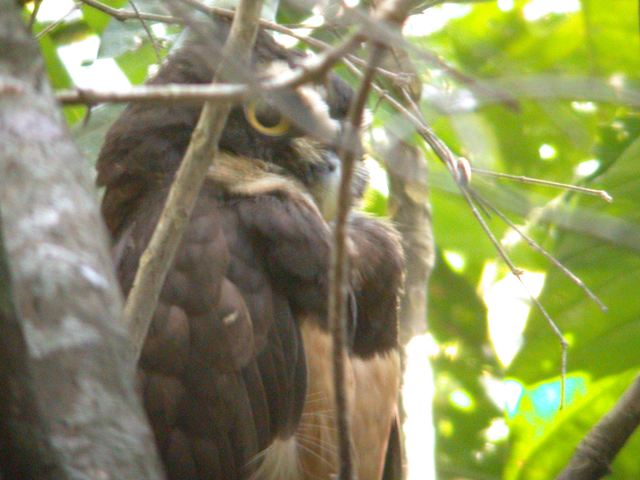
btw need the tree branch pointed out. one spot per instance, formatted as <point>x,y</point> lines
<point>150,36</point>
<point>170,93</point>
<point>338,274</point>
<point>311,70</point>
<point>596,451</point>
<point>68,405</point>
<point>159,254</point>
<point>393,11</point>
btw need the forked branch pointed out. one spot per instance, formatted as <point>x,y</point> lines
<point>468,196</point>
<point>538,248</point>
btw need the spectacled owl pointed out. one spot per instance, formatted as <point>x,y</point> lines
<point>236,371</point>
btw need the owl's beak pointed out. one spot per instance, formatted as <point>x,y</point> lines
<point>325,187</point>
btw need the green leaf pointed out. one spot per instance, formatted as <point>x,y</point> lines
<point>375,202</point>
<point>98,20</point>
<point>58,75</point>
<point>608,25</point>
<point>462,408</point>
<point>121,37</point>
<point>600,242</point>
<point>135,63</point>
<point>544,438</point>
<point>455,227</point>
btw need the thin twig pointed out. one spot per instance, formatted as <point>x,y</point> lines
<point>472,83</point>
<point>158,256</point>
<point>382,33</point>
<point>547,183</point>
<point>122,15</point>
<point>170,93</point>
<point>339,264</point>
<point>458,169</point>
<point>147,30</point>
<point>314,68</point>
<point>597,450</point>
<point>34,14</point>
<point>537,247</point>
<point>289,31</point>
<point>517,272</point>
<point>54,25</point>
<point>429,57</point>
<point>393,12</point>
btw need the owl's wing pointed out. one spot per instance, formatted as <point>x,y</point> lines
<point>223,370</point>
<point>393,469</point>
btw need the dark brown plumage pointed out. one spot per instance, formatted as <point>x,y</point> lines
<point>235,372</point>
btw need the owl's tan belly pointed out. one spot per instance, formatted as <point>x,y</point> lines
<point>372,388</point>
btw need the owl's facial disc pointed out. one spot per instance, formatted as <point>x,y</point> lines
<point>300,131</point>
<point>321,174</point>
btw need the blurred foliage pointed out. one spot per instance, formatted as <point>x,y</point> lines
<point>515,102</point>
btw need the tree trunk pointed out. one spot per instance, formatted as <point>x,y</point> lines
<point>68,405</point>
<point>410,211</point>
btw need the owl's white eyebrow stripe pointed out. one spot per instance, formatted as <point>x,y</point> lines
<point>318,107</point>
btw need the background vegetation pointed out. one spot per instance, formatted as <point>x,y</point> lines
<point>545,89</point>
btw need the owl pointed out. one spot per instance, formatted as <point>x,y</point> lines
<point>236,370</point>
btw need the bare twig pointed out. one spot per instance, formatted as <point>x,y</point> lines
<point>392,12</point>
<point>170,93</point>
<point>384,34</point>
<point>122,15</point>
<point>596,451</point>
<point>339,263</point>
<point>546,183</point>
<point>429,57</point>
<point>459,170</point>
<point>314,42</point>
<point>500,94</point>
<point>517,272</point>
<point>147,30</point>
<point>158,255</point>
<point>34,14</point>
<point>311,70</point>
<point>537,247</point>
<point>97,96</point>
<point>56,24</point>
<point>454,167</point>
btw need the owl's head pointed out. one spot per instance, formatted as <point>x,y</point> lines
<point>293,133</point>
<point>296,134</point>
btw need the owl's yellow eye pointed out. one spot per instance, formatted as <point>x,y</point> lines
<point>266,119</point>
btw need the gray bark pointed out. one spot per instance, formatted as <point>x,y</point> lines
<point>411,214</point>
<point>68,404</point>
